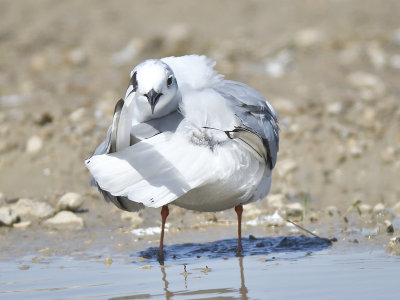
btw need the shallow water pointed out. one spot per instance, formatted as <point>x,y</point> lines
<point>292,268</point>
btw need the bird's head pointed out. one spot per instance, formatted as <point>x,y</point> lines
<point>154,85</point>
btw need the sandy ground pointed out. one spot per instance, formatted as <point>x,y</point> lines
<point>330,68</point>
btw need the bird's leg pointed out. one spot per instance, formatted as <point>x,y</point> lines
<point>164,215</point>
<point>239,210</point>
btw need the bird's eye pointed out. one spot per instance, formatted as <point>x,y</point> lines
<point>169,81</point>
<point>133,82</point>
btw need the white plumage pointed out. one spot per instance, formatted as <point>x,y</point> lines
<point>186,136</point>
<point>201,165</point>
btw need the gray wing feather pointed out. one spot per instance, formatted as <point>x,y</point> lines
<point>109,146</point>
<point>255,113</point>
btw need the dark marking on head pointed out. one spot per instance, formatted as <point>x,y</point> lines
<point>133,83</point>
<point>169,80</point>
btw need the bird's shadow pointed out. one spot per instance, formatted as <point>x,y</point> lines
<point>228,248</point>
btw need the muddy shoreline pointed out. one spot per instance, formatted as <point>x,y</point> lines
<point>330,69</point>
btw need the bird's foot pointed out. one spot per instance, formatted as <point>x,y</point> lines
<point>160,257</point>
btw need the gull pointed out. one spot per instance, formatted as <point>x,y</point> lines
<point>184,135</point>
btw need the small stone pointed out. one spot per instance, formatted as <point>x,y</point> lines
<point>365,208</point>
<point>284,106</point>
<point>38,63</point>
<point>313,217</point>
<point>7,216</point>
<point>294,209</point>
<point>395,61</point>
<point>308,37</point>
<point>77,114</point>
<point>66,220</point>
<point>2,198</point>
<point>108,261</point>
<point>77,57</point>
<point>26,208</point>
<point>332,211</point>
<point>396,36</point>
<point>252,211</point>
<point>276,201</point>
<point>34,144</point>
<point>334,109</point>
<point>376,55</point>
<point>379,208</point>
<point>70,201</point>
<point>388,155</point>
<point>389,226</point>
<point>22,225</point>
<point>132,217</point>
<point>396,209</point>
<point>350,54</point>
<point>24,267</point>
<point>128,53</point>
<point>277,65</point>
<point>371,86</point>
<point>286,167</point>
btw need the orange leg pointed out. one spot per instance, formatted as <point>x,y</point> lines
<point>239,211</point>
<point>164,215</point>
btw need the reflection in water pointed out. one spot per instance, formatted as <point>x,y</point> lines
<point>243,290</point>
<point>218,250</point>
<point>168,294</point>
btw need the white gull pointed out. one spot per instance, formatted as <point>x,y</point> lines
<point>183,135</point>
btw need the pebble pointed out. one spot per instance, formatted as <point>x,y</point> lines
<point>286,167</point>
<point>22,225</point>
<point>334,109</point>
<point>108,261</point>
<point>308,37</point>
<point>252,211</point>
<point>388,155</point>
<point>34,144</point>
<point>395,61</point>
<point>376,55</point>
<point>332,211</point>
<point>389,226</point>
<point>38,63</point>
<point>396,36</point>
<point>379,208</point>
<point>396,209</point>
<point>70,201</point>
<point>350,54</point>
<point>66,220</point>
<point>365,208</point>
<point>393,246</point>
<point>294,209</point>
<point>26,208</point>
<point>127,54</point>
<point>77,114</point>
<point>132,217</point>
<point>24,267</point>
<point>313,217</point>
<point>284,106</point>
<point>2,198</point>
<point>276,201</point>
<point>7,216</point>
<point>371,85</point>
<point>77,57</point>
<point>276,66</point>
